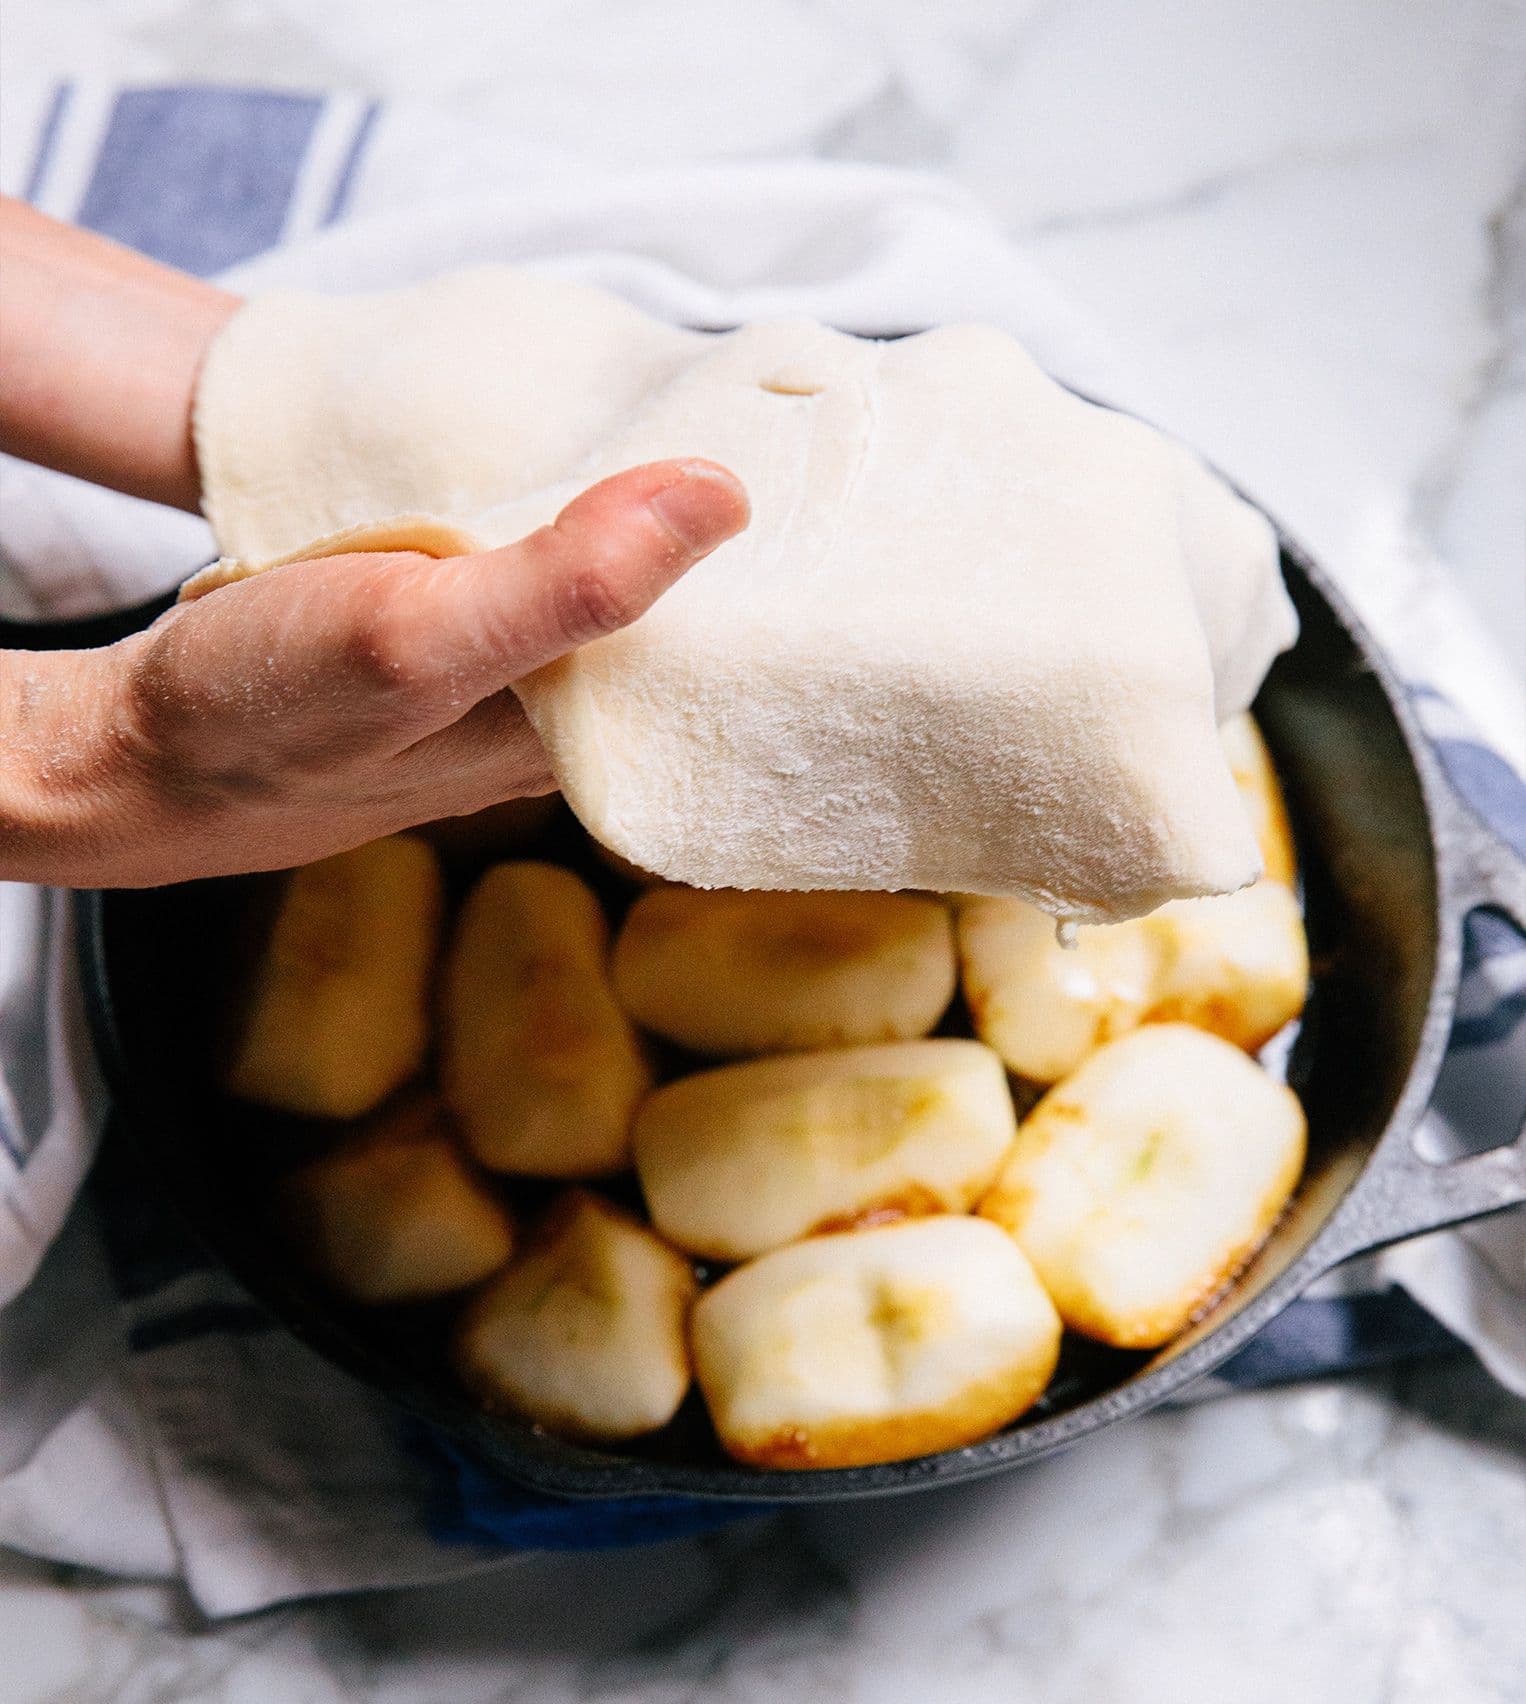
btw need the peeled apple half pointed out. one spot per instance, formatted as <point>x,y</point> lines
<point>585,1332</point>
<point>338,1008</point>
<point>731,973</point>
<point>538,1063</point>
<point>397,1213</point>
<point>1142,1183</point>
<point>1261,793</point>
<point>874,1345</point>
<point>739,1160</point>
<point>1236,964</point>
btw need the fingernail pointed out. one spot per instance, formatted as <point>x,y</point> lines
<point>702,509</point>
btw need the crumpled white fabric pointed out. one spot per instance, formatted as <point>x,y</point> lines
<point>866,249</point>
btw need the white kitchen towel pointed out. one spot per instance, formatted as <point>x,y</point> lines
<point>151,1420</point>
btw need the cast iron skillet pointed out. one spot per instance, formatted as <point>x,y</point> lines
<point>1392,862</point>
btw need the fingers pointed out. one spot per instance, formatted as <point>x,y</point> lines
<point>602,563</point>
<point>490,754</point>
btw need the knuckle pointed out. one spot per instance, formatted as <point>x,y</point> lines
<point>381,647</point>
<point>591,601</point>
<point>170,737</point>
<point>161,708</point>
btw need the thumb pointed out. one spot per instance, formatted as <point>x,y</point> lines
<point>346,654</point>
<point>602,563</point>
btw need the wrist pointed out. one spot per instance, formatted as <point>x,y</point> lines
<point>71,803</point>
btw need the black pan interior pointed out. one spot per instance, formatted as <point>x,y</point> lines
<point>161,965</point>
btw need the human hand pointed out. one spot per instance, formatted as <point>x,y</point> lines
<point>325,703</point>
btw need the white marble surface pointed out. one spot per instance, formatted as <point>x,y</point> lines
<point>1353,1543</point>
<point>1309,222</point>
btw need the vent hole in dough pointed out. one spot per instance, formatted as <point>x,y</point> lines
<point>790,387</point>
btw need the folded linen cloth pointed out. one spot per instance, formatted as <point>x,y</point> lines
<point>153,1421</point>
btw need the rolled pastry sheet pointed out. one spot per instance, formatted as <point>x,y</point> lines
<point>978,637</point>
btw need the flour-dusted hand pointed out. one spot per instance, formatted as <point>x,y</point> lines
<point>316,708</point>
<point>290,716</point>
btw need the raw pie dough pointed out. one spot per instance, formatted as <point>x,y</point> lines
<point>977,637</point>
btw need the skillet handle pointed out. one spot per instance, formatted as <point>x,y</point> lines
<point>1400,1194</point>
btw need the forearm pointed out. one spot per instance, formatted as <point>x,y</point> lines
<point>100,349</point>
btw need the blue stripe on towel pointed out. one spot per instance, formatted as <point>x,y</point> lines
<point>1489,1008</point>
<point>1316,1337</point>
<point>1489,785</point>
<point>1486,937</point>
<point>473,1503</point>
<point>1491,1026</point>
<point>47,136</point>
<point>199,178</point>
<point>345,182</point>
